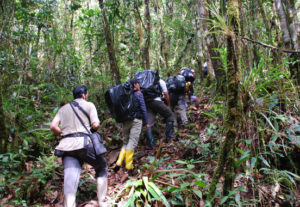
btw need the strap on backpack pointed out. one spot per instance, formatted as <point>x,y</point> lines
<point>71,104</point>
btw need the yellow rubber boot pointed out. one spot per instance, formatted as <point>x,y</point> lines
<point>129,159</point>
<point>121,157</point>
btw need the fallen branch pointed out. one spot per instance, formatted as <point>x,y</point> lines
<point>164,183</point>
<point>270,46</point>
<point>160,171</point>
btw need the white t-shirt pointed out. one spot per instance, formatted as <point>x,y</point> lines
<point>163,87</point>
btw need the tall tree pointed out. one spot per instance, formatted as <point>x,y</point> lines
<point>110,46</point>
<point>206,36</point>
<point>290,39</point>
<point>227,153</point>
<point>7,10</point>
<point>146,56</point>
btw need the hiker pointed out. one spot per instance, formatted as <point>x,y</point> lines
<point>155,104</point>
<point>177,87</point>
<point>132,129</point>
<point>190,76</point>
<point>72,146</point>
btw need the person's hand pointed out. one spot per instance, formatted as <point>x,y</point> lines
<point>59,160</point>
<point>147,127</point>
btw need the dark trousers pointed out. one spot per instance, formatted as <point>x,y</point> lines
<point>161,108</point>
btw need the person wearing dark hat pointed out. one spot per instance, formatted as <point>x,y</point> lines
<point>132,129</point>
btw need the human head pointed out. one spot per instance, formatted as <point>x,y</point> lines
<point>78,91</point>
<point>135,83</point>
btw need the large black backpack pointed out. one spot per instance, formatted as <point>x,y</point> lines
<point>120,102</point>
<point>149,83</point>
<point>176,84</point>
<point>188,74</point>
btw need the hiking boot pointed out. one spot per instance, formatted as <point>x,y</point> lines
<point>150,137</point>
<point>169,131</point>
<point>116,168</point>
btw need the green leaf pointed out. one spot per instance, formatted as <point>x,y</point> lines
<point>210,115</point>
<point>198,193</point>
<point>134,183</point>
<point>224,199</point>
<point>253,161</point>
<point>162,197</point>
<point>238,198</point>
<point>268,120</point>
<point>145,180</point>
<point>200,183</point>
<point>240,151</point>
<point>264,161</point>
<point>190,166</point>
<point>242,159</point>
<point>153,193</point>
<point>130,201</point>
<point>184,185</point>
<point>180,162</point>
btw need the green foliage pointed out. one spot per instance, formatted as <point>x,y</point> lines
<point>143,193</point>
<point>30,185</point>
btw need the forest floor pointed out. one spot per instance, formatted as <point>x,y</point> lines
<point>161,160</point>
<point>179,167</point>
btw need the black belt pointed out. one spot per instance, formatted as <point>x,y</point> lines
<point>78,134</point>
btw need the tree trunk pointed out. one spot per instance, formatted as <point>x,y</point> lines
<point>7,10</point>
<point>206,37</point>
<point>265,20</point>
<point>289,39</point>
<point>227,153</point>
<point>146,56</point>
<point>200,55</point>
<point>217,64</point>
<point>244,50</point>
<point>163,45</point>
<point>110,46</point>
<point>276,53</point>
<point>283,24</point>
<point>3,131</point>
<point>293,26</point>
<point>256,58</point>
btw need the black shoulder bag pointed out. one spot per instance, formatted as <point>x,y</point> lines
<point>98,145</point>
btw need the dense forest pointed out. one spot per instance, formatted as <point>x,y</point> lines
<point>242,144</point>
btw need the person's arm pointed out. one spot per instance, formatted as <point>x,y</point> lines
<point>167,97</point>
<point>164,89</point>
<point>54,126</point>
<point>143,108</point>
<point>95,122</point>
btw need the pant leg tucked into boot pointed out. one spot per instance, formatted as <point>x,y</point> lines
<point>120,159</point>
<point>150,137</point>
<point>169,131</point>
<point>129,160</point>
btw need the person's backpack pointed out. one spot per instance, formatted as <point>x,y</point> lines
<point>149,84</point>
<point>176,84</point>
<point>188,74</point>
<point>120,103</point>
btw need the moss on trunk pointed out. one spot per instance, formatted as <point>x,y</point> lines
<point>227,153</point>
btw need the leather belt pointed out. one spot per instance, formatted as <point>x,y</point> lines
<point>77,134</point>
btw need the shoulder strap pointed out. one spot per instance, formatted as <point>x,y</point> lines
<point>71,104</point>
<point>76,104</point>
